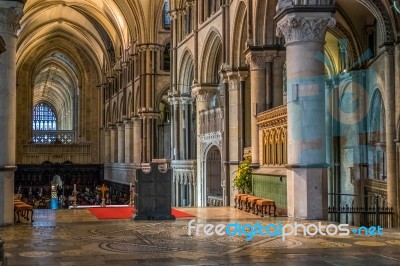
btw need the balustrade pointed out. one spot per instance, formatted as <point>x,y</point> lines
<point>53,136</point>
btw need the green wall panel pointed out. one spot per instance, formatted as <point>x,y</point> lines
<point>271,187</point>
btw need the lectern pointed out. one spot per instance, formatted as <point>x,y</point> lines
<point>153,193</point>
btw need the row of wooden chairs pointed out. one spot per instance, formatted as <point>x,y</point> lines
<point>22,209</point>
<point>255,204</point>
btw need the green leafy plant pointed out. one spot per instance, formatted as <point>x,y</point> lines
<point>242,181</point>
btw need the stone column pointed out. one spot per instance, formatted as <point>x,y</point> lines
<point>114,144</point>
<point>202,96</point>
<point>137,140</point>
<point>258,98</point>
<point>225,178</point>
<point>184,134</point>
<point>128,141</point>
<point>277,81</point>
<point>107,145</point>
<point>397,91</point>
<point>10,14</point>
<point>390,120</point>
<point>121,142</point>
<point>173,193</point>
<point>190,196</point>
<point>234,128</point>
<point>177,192</point>
<point>175,131</point>
<point>304,33</point>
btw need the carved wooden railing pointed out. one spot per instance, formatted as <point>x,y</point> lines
<point>273,137</point>
<point>211,121</point>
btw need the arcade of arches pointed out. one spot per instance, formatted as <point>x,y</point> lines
<point>307,88</point>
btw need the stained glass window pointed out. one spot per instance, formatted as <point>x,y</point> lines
<point>44,118</point>
<point>167,19</point>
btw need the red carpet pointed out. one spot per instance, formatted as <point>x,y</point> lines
<point>126,213</point>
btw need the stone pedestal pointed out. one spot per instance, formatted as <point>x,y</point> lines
<point>304,34</point>
<point>307,190</point>
<point>10,14</point>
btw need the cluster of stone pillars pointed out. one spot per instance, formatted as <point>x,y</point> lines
<point>10,14</point>
<point>122,142</point>
<point>266,79</point>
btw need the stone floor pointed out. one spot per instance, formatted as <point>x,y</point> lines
<point>75,237</point>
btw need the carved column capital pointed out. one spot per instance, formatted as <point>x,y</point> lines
<point>297,29</point>
<point>128,123</point>
<point>201,94</point>
<point>279,61</point>
<point>257,61</point>
<point>120,126</point>
<point>9,19</point>
<point>234,81</point>
<point>224,77</point>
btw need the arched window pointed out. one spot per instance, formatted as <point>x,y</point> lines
<point>166,18</point>
<point>44,118</point>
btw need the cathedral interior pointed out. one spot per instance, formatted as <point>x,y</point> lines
<point>93,90</point>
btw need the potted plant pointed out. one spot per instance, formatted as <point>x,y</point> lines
<point>242,181</point>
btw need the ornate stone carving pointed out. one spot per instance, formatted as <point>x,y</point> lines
<point>304,28</point>
<point>234,81</point>
<point>9,19</point>
<point>203,94</point>
<point>279,61</point>
<point>257,62</point>
<point>283,4</point>
<point>273,118</point>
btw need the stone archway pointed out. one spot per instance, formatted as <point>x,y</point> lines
<point>213,184</point>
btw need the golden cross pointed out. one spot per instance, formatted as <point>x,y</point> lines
<point>103,190</point>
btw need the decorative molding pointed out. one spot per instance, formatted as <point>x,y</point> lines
<point>202,94</point>
<point>9,19</point>
<point>257,61</point>
<point>279,61</point>
<point>211,121</point>
<point>273,118</point>
<point>296,29</point>
<point>180,100</point>
<point>234,82</point>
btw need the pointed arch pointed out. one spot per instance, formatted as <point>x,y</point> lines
<point>211,58</point>
<point>239,36</point>
<point>186,74</point>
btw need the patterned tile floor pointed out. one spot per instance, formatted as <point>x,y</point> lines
<point>76,237</point>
